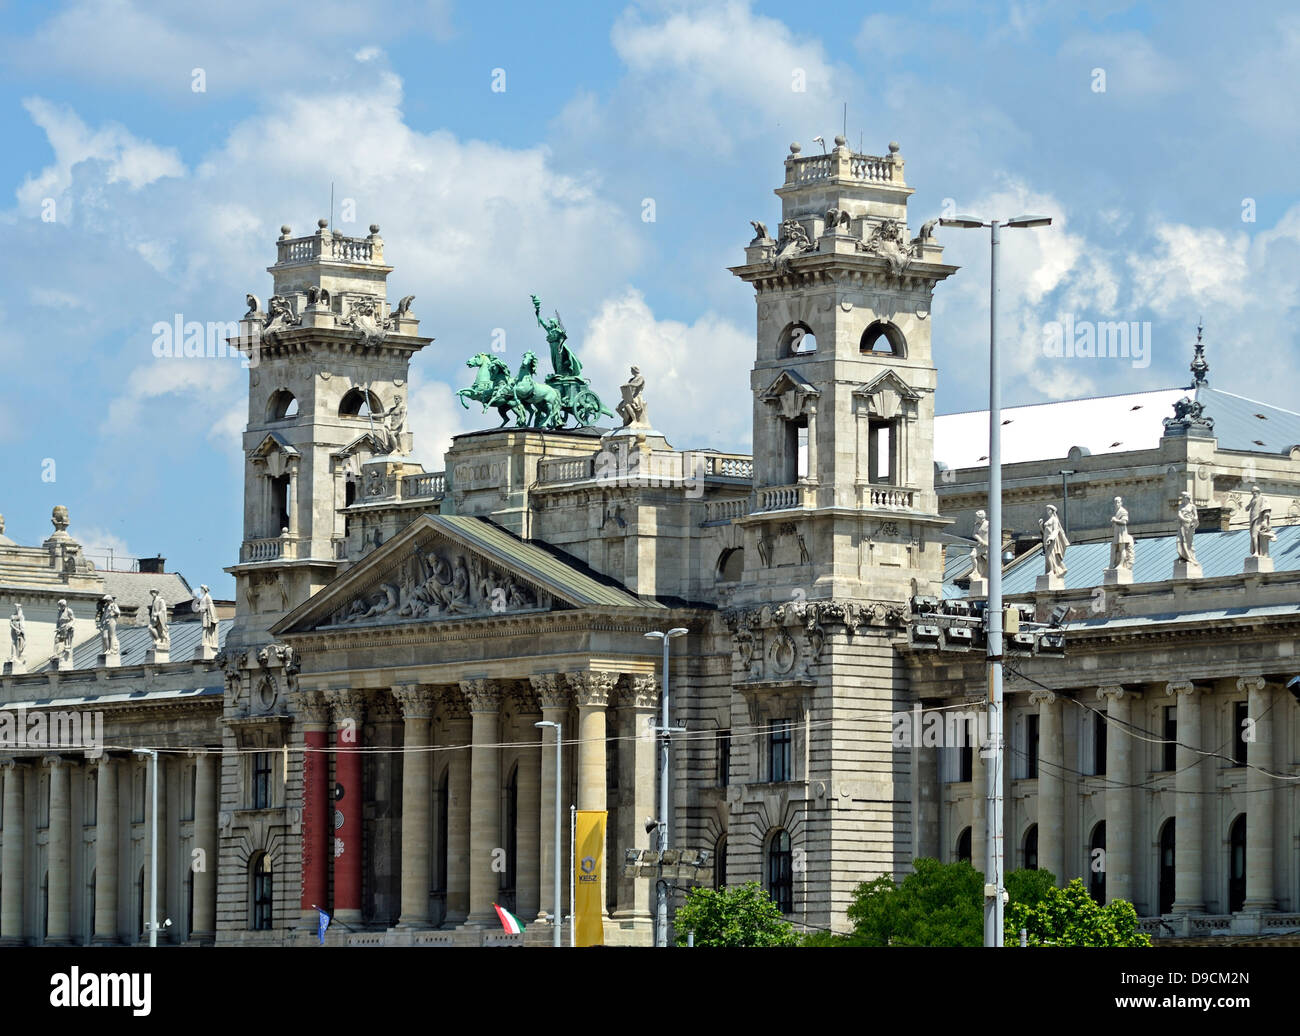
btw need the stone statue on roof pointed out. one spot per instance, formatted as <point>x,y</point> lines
<point>979,554</point>
<point>1054,543</point>
<point>633,409</point>
<point>207,613</point>
<point>1188,519</point>
<point>156,620</point>
<point>1261,524</point>
<point>1121,543</point>
<point>65,624</point>
<point>106,616</point>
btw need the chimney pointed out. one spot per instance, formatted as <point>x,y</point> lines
<point>153,566</point>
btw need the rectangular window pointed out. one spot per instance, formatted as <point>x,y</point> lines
<point>262,780</point>
<point>1099,744</point>
<point>724,758</point>
<point>1169,750</point>
<point>1239,732</point>
<point>966,754</point>
<point>778,765</point>
<point>1031,745</point>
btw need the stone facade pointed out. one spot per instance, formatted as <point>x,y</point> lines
<point>366,741</point>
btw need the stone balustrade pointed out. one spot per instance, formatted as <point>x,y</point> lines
<point>334,246</point>
<point>270,548</point>
<point>843,165</point>
<point>886,497</point>
<point>729,465</point>
<point>431,484</point>
<point>565,469</point>
<point>783,498</point>
<point>725,510</point>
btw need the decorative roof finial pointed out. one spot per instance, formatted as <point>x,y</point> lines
<point>1200,367</point>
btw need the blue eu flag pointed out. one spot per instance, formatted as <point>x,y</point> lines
<point>322,925</point>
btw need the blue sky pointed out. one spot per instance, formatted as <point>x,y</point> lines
<point>166,200</point>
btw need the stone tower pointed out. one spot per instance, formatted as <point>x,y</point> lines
<point>329,358</point>
<point>843,530</point>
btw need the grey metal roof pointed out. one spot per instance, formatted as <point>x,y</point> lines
<point>956,563</point>
<point>132,588</point>
<point>118,697</point>
<point>1258,611</point>
<point>1246,424</point>
<point>530,559</point>
<point>134,641</point>
<point>1220,554</point>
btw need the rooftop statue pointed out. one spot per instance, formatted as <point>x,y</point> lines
<point>532,401</point>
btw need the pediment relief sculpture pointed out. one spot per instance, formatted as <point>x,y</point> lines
<point>442,580</point>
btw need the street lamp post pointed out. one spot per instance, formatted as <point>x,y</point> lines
<point>556,913</point>
<point>665,736</point>
<point>993,870</point>
<point>152,753</point>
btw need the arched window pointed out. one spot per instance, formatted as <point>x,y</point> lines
<point>1237,865</point>
<point>359,403</point>
<point>720,864</point>
<point>260,893</point>
<point>1097,863</point>
<point>884,338</point>
<point>963,845</point>
<point>1166,888</point>
<point>798,339</point>
<point>780,871</point>
<point>1031,848</point>
<point>282,404</point>
<point>731,565</point>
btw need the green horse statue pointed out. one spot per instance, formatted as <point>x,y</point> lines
<point>493,387</point>
<point>542,401</point>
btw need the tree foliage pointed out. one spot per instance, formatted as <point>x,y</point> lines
<point>1071,917</point>
<point>741,915</point>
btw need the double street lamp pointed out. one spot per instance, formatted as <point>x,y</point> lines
<point>557,914</point>
<point>665,734</point>
<point>993,871</point>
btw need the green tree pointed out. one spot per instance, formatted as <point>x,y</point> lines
<point>1029,886</point>
<point>741,915</point>
<point>1071,917</point>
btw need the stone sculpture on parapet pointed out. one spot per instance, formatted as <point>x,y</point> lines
<point>65,627</point>
<point>207,613</point>
<point>632,409</point>
<point>1261,533</point>
<point>1187,567</point>
<point>1054,544</point>
<point>979,556</point>
<point>106,615</point>
<point>392,429</point>
<point>1121,548</point>
<point>17,663</point>
<point>156,620</point>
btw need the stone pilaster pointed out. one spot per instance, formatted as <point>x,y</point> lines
<point>161,820</point>
<point>484,698</point>
<point>1120,819</point>
<point>106,852</point>
<point>1051,784</point>
<point>207,765</point>
<point>639,698</point>
<point>1189,896</point>
<point>349,806</point>
<point>459,733</point>
<point>417,800</point>
<point>591,693</point>
<point>1260,794</point>
<point>553,694</point>
<point>979,792</point>
<point>13,859</point>
<point>58,929</point>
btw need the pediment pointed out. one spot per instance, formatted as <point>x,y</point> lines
<point>887,396</point>
<point>789,381</point>
<point>450,567</point>
<point>275,453</point>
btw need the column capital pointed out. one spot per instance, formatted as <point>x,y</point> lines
<point>523,697</point>
<point>10,762</point>
<point>54,761</point>
<point>1175,687</point>
<point>482,695</point>
<point>591,689</point>
<point>348,704</point>
<point>106,761</point>
<point>383,707</point>
<point>311,706</point>
<point>1246,684</point>
<point>416,700</point>
<point>640,691</point>
<point>1042,697</point>
<point>552,690</point>
<point>1117,691</point>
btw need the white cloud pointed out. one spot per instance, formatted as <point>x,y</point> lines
<point>697,375</point>
<point>1135,69</point>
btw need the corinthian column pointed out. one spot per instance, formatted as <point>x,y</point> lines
<point>553,693</point>
<point>106,829</point>
<point>591,692</point>
<point>417,799</point>
<point>12,859</point>
<point>1260,794</point>
<point>527,829</point>
<point>456,717</point>
<point>317,819</point>
<point>1120,821</point>
<point>484,698</point>
<point>1189,897</point>
<point>58,929</point>
<point>349,715</point>
<point>636,782</point>
<point>1051,784</point>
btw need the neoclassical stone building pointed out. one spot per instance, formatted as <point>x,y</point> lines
<point>366,741</point>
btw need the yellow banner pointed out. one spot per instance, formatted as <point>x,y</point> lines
<point>589,863</point>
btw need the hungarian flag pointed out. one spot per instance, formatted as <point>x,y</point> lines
<point>509,922</point>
